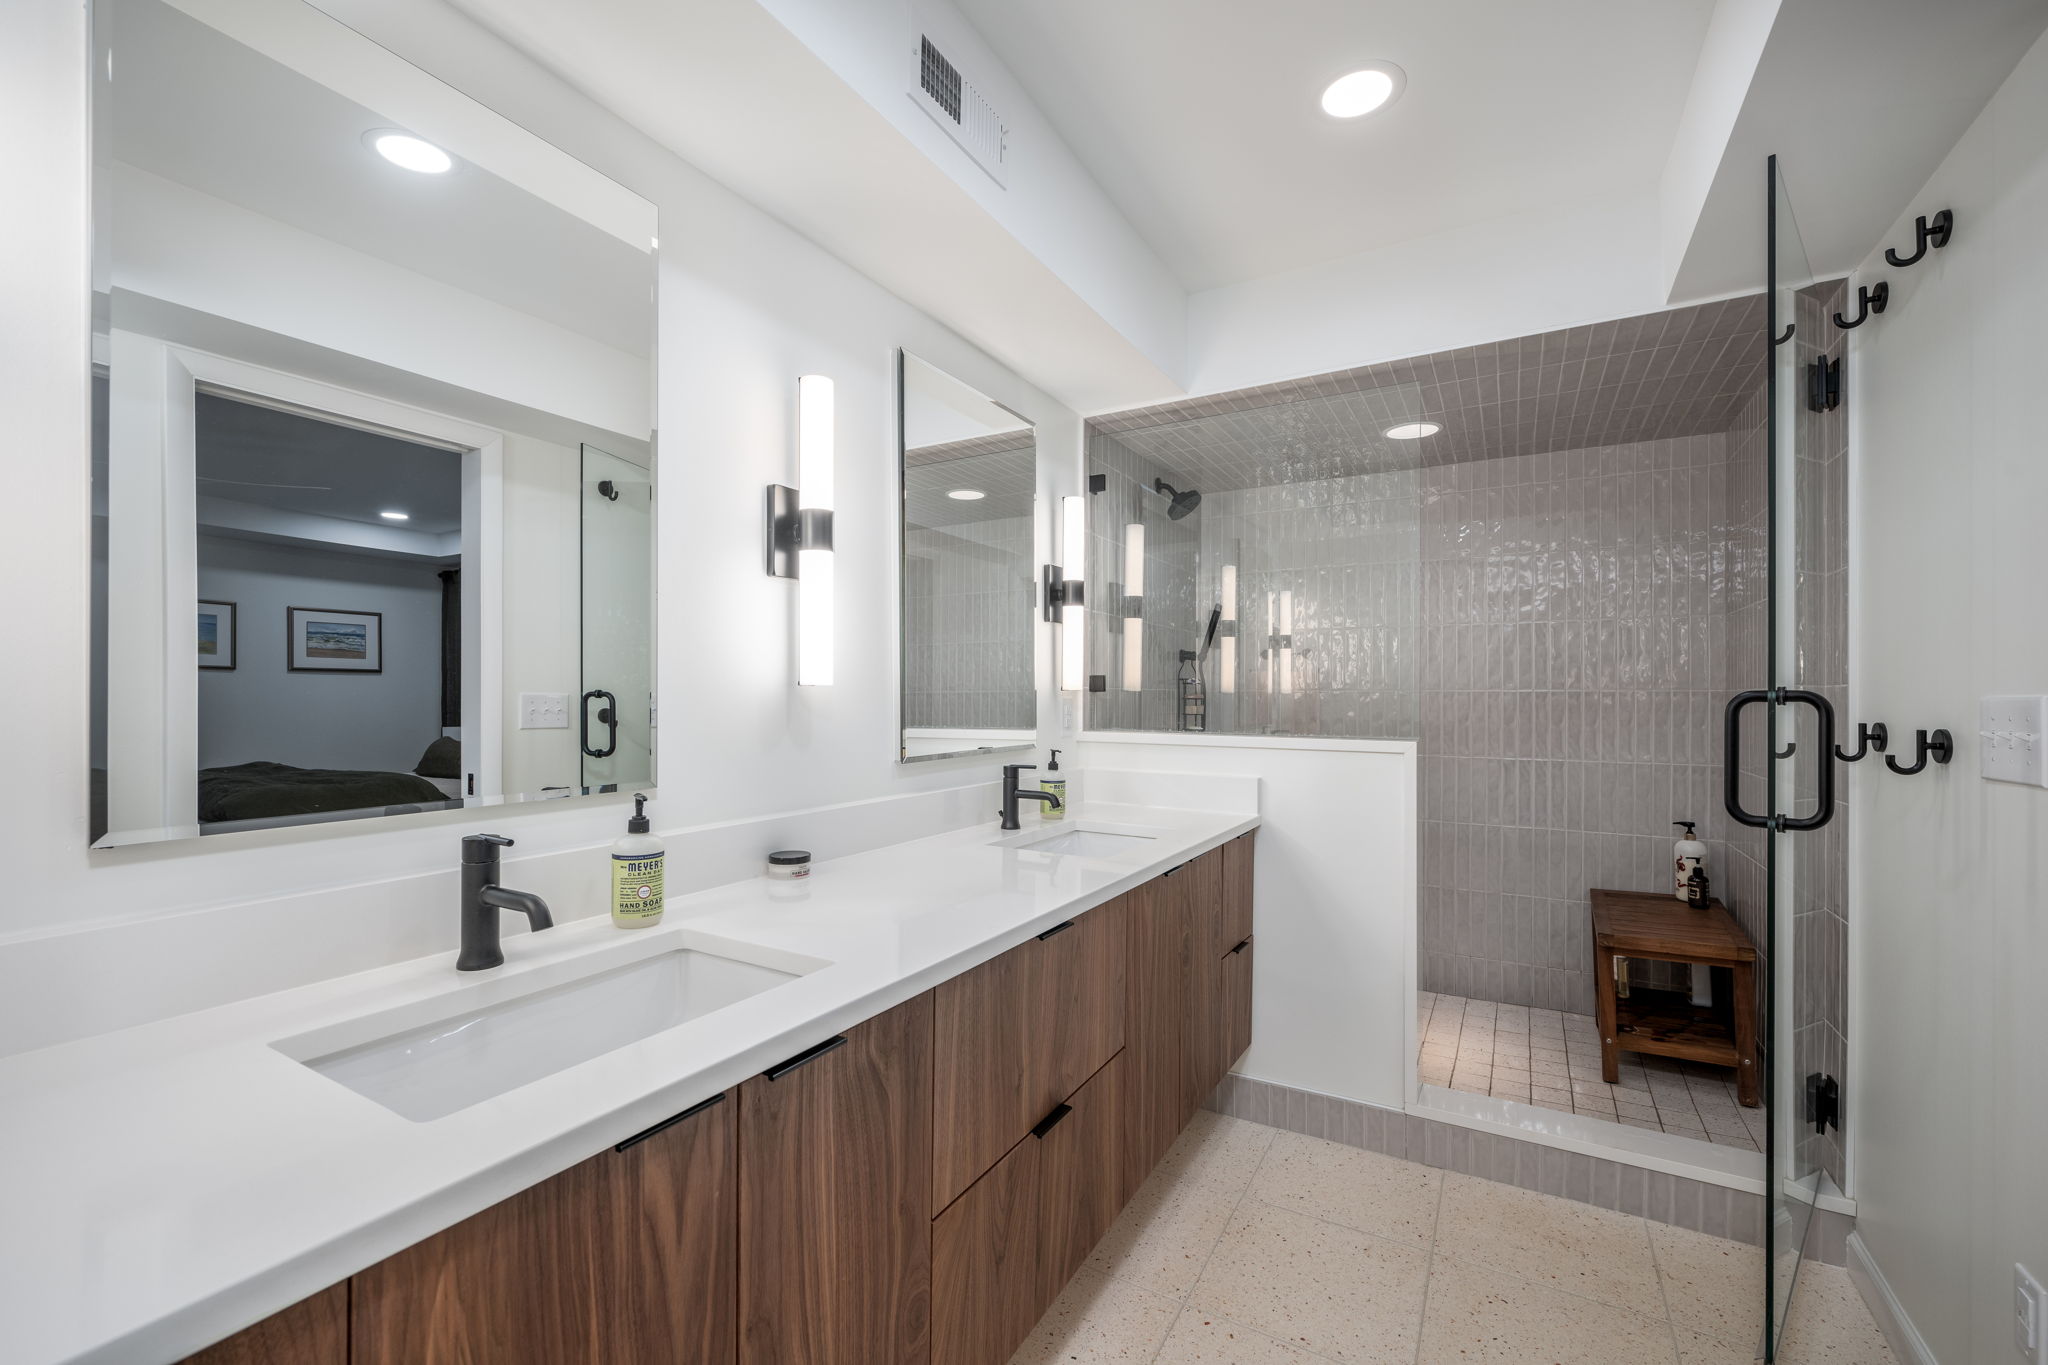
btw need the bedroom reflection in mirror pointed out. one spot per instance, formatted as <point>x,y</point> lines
<point>373,468</point>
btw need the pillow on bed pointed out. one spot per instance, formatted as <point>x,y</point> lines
<point>443,758</point>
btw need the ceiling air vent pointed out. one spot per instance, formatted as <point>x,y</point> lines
<point>957,105</point>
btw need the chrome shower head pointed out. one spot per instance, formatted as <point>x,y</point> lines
<point>1182,504</point>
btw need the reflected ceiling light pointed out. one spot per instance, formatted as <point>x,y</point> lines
<point>966,495</point>
<point>396,516</point>
<point>409,152</point>
<point>1413,431</point>
<point>1359,93</point>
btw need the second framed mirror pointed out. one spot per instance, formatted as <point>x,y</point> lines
<point>969,588</point>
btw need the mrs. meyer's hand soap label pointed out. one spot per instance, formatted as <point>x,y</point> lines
<point>636,886</point>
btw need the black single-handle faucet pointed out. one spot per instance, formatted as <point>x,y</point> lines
<point>1011,795</point>
<point>483,898</point>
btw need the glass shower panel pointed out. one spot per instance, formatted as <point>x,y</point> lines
<point>1292,522</point>
<point>616,724</point>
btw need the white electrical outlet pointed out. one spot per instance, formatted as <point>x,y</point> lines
<point>543,710</point>
<point>2029,1330</point>
<point>2013,735</point>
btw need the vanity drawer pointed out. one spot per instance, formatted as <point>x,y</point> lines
<point>1005,1248</point>
<point>1236,892</point>
<point>1015,1036</point>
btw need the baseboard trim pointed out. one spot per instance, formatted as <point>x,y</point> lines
<point>1899,1333</point>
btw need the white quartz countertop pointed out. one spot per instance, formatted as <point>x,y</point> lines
<point>164,1186</point>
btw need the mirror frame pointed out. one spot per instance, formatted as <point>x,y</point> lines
<point>332,54</point>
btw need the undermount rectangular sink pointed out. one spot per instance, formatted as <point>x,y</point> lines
<point>432,1070</point>
<point>1081,843</point>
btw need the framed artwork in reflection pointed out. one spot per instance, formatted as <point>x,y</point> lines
<point>326,640</point>
<point>216,634</point>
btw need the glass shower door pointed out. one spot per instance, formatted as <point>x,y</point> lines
<point>616,720</point>
<point>1786,766</point>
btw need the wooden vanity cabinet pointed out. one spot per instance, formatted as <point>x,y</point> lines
<point>916,1191</point>
<point>628,1257</point>
<point>835,1199</point>
<point>1236,889</point>
<point>1016,1036</point>
<point>313,1331</point>
<point>1005,1248</point>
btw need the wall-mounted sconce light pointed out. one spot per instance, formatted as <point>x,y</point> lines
<point>1065,593</point>
<point>800,530</point>
<point>1226,631</point>
<point>1134,607</point>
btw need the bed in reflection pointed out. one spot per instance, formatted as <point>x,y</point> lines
<point>261,795</point>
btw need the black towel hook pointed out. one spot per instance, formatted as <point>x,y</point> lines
<point>1870,739</point>
<point>1926,233</point>
<point>1790,328</point>
<point>1939,746</point>
<point>1870,301</point>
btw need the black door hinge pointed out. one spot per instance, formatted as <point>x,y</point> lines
<point>1824,385</point>
<point>1823,1102</point>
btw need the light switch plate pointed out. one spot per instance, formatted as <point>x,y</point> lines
<point>2029,1331</point>
<point>543,710</point>
<point>2014,739</point>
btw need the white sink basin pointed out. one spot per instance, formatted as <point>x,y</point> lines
<point>427,1071</point>
<point>1084,842</point>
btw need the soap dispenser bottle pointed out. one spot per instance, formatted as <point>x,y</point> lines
<point>637,865</point>
<point>1054,784</point>
<point>1688,857</point>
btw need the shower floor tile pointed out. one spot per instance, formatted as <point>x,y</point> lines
<point>1552,1060</point>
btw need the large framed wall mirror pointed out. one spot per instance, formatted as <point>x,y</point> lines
<point>969,481</point>
<point>373,464</point>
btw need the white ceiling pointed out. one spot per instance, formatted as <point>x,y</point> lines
<point>266,457</point>
<point>197,107</point>
<point>1199,117</point>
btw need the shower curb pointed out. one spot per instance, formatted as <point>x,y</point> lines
<point>1582,1177</point>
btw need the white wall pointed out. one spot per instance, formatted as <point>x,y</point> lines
<point>542,635</point>
<point>1948,1113</point>
<point>259,711</point>
<point>746,306</point>
<point>1049,202</point>
<point>1490,281</point>
<point>1333,999</point>
<point>186,248</point>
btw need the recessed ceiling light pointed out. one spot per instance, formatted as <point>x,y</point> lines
<point>967,495</point>
<point>1363,91</point>
<point>1413,431</point>
<point>396,516</point>
<point>409,152</point>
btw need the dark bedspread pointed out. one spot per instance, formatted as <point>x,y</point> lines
<point>264,791</point>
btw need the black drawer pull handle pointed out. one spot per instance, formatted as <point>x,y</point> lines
<point>809,1054</point>
<point>1242,946</point>
<point>1059,928</point>
<point>1052,1120</point>
<point>669,1122</point>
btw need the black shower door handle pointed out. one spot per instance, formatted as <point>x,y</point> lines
<point>1731,758</point>
<point>608,717</point>
<point>1824,759</point>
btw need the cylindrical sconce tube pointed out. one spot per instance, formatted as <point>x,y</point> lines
<point>1074,615</point>
<point>814,470</point>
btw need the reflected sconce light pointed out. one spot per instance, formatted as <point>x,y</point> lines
<point>1226,632</point>
<point>1283,643</point>
<point>1066,593</point>
<point>800,531</point>
<point>1134,607</point>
